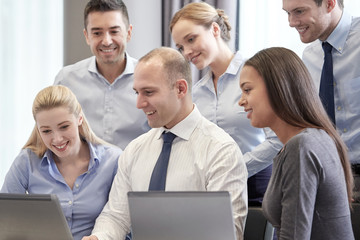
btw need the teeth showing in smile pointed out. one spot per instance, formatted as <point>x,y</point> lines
<point>301,30</point>
<point>150,113</point>
<point>61,147</point>
<point>194,58</point>
<point>249,111</point>
<point>107,50</point>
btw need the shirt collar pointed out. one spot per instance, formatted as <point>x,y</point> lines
<point>233,68</point>
<point>47,158</point>
<point>235,64</point>
<point>129,68</point>
<point>92,66</point>
<point>94,159</point>
<point>337,38</point>
<point>185,128</point>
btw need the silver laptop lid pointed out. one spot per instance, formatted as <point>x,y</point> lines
<point>32,217</point>
<point>181,216</point>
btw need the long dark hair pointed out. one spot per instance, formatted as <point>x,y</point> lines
<point>294,99</point>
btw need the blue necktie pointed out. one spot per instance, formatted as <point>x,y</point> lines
<point>327,82</point>
<point>158,177</point>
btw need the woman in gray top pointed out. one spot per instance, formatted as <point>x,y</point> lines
<point>309,193</point>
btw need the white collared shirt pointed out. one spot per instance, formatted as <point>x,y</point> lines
<point>203,158</point>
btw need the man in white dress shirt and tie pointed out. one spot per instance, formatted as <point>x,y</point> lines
<point>203,157</point>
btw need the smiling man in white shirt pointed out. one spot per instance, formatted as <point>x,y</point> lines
<point>203,156</point>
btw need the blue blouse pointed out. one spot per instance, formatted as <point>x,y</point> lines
<point>82,204</point>
<point>259,146</point>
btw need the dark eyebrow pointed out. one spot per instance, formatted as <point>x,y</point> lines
<point>95,29</point>
<point>242,85</point>
<point>144,89</point>
<point>112,28</point>
<point>115,27</point>
<point>187,35</point>
<point>295,9</point>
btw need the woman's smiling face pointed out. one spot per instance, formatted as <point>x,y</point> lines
<point>254,98</point>
<point>59,131</point>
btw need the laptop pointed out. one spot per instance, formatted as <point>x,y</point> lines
<point>32,217</point>
<point>181,216</point>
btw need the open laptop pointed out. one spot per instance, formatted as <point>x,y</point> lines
<point>181,216</point>
<point>32,217</point>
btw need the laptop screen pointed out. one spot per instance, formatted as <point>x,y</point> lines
<point>32,217</point>
<point>181,215</point>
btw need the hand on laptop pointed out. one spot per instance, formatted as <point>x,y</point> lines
<point>92,237</point>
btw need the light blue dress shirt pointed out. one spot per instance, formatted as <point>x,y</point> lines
<point>109,108</point>
<point>259,146</point>
<point>82,204</point>
<point>345,40</point>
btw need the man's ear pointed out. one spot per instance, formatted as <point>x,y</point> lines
<point>129,33</point>
<point>181,87</point>
<point>330,4</point>
<point>86,36</point>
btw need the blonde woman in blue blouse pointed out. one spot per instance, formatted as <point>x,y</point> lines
<point>64,157</point>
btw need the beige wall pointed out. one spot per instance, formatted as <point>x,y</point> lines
<point>75,47</point>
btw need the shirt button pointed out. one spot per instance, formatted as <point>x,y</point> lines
<point>77,185</point>
<point>70,202</point>
<point>338,108</point>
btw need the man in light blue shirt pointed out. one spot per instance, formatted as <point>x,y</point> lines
<point>103,83</point>
<point>320,21</point>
